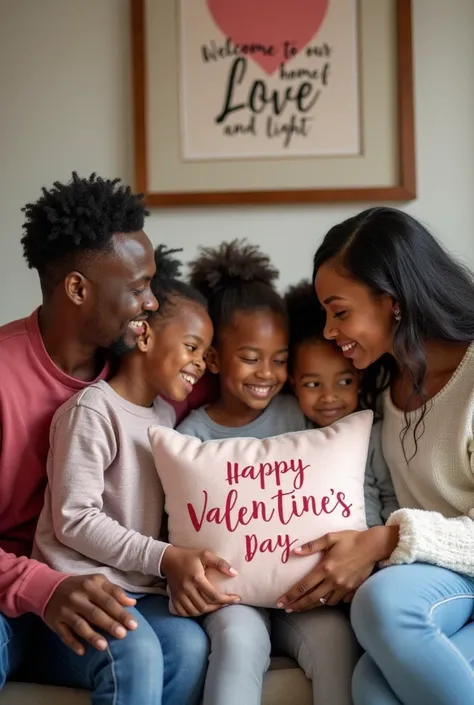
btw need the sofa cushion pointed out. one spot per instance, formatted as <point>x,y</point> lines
<point>284,683</point>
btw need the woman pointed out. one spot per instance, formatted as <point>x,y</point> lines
<point>403,310</point>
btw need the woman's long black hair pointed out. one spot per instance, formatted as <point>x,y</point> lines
<point>392,253</point>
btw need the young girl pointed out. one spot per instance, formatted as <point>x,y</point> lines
<point>328,387</point>
<point>402,309</point>
<point>249,354</point>
<point>104,503</point>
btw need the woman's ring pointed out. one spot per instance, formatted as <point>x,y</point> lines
<point>323,600</point>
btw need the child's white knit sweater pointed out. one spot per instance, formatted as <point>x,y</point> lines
<point>436,485</point>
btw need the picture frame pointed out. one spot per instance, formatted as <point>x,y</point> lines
<point>383,170</point>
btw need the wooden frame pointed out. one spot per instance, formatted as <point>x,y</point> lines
<point>404,190</point>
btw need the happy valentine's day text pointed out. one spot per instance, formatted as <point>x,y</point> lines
<point>284,505</point>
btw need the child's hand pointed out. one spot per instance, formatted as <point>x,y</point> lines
<point>191,591</point>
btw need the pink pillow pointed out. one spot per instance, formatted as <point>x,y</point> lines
<point>253,501</point>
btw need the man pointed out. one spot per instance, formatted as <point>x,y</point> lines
<point>95,264</point>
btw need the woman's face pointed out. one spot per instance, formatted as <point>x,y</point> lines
<point>361,324</point>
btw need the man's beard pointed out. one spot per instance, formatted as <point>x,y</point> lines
<point>120,347</point>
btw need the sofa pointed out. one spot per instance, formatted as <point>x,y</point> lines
<point>285,684</point>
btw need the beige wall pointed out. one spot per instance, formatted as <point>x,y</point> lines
<point>65,104</point>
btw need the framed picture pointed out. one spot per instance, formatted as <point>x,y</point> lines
<point>273,101</point>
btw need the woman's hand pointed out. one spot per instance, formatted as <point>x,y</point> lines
<point>191,592</point>
<point>349,559</point>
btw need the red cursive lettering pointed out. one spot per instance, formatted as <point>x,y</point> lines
<point>275,469</point>
<point>346,512</point>
<point>253,546</point>
<point>197,523</point>
<point>286,506</point>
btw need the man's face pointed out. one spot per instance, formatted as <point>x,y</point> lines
<point>119,295</point>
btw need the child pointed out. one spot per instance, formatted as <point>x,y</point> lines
<point>327,387</point>
<point>250,354</point>
<point>104,503</point>
<point>250,348</point>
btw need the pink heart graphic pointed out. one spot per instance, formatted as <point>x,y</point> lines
<point>269,23</point>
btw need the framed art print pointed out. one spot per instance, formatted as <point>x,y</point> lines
<point>272,101</point>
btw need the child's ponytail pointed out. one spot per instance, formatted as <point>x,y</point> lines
<point>235,276</point>
<point>167,285</point>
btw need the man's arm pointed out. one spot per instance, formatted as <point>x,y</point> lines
<point>25,585</point>
<point>70,606</point>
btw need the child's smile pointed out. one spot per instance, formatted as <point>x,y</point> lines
<point>325,383</point>
<point>251,358</point>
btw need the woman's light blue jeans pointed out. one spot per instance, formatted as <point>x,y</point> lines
<point>164,661</point>
<point>414,622</point>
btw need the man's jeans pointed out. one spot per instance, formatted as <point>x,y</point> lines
<point>163,661</point>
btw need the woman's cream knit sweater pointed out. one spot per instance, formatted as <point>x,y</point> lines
<point>435,485</point>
